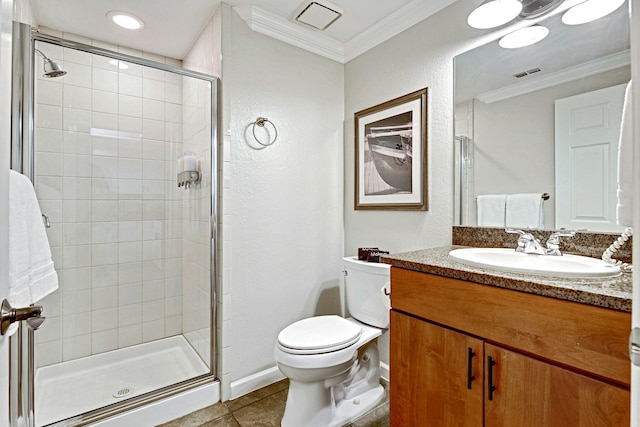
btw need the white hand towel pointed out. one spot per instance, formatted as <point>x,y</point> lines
<point>491,209</point>
<point>31,272</point>
<point>624,208</point>
<point>524,210</point>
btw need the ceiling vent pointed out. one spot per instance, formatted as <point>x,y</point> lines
<point>318,14</point>
<point>526,73</point>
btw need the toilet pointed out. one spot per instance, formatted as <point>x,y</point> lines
<point>333,363</point>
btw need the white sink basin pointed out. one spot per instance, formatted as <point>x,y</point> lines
<point>541,265</point>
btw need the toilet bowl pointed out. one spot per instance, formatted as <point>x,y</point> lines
<point>332,363</point>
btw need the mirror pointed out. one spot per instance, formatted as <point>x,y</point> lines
<point>505,107</point>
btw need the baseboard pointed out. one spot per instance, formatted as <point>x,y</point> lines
<point>384,371</point>
<point>255,381</point>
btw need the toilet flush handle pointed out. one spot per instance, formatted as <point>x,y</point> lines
<point>385,295</point>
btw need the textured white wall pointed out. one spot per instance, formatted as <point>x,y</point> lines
<point>419,57</point>
<point>285,204</point>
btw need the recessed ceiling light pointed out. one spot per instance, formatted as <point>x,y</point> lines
<point>589,11</point>
<point>126,20</point>
<point>493,13</point>
<point>524,37</point>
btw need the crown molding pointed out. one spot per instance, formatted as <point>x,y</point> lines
<point>607,63</point>
<point>269,24</point>
<point>392,25</point>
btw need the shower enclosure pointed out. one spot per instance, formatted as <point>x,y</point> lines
<point>133,320</point>
<point>462,180</point>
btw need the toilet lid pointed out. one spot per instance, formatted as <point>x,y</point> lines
<point>320,334</point>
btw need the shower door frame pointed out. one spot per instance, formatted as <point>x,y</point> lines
<point>21,363</point>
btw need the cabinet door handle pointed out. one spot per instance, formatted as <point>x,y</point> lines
<point>492,388</point>
<point>470,377</point>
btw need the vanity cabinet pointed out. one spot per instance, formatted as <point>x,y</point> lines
<point>430,381</point>
<point>467,354</point>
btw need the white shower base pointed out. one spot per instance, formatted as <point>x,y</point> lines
<point>71,388</point>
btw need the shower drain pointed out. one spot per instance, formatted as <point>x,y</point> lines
<point>123,392</point>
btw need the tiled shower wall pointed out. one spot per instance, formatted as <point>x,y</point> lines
<point>107,141</point>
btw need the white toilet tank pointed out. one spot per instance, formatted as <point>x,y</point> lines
<point>365,284</point>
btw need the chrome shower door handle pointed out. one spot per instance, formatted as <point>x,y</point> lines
<point>9,315</point>
<point>45,219</point>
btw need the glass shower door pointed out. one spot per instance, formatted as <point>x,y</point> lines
<point>133,314</point>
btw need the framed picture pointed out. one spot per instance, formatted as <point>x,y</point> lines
<point>391,154</point>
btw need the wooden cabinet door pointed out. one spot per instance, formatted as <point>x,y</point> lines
<point>429,375</point>
<point>529,392</point>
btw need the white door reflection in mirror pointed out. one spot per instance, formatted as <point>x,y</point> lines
<point>587,133</point>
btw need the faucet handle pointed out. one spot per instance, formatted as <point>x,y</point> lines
<point>514,231</point>
<point>553,242</point>
<point>555,236</point>
<point>523,238</point>
<point>8,315</point>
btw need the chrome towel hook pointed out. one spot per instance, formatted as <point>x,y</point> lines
<point>261,122</point>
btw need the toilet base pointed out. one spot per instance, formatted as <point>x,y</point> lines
<point>349,410</point>
<point>334,402</point>
<point>342,413</point>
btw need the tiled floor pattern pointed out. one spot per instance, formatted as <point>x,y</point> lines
<point>264,408</point>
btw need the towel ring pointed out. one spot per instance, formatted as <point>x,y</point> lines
<point>262,121</point>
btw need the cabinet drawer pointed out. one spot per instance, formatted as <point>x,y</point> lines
<point>588,338</point>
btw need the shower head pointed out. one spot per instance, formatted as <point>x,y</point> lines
<point>50,67</point>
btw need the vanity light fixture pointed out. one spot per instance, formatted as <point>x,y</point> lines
<point>493,13</point>
<point>524,37</point>
<point>126,20</point>
<point>589,11</point>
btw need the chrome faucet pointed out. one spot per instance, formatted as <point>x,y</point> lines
<point>529,244</point>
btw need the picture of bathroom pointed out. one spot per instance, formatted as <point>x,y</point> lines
<point>388,158</point>
<point>430,228</point>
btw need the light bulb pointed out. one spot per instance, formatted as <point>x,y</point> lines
<point>493,13</point>
<point>589,11</point>
<point>524,37</point>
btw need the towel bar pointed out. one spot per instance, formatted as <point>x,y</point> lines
<point>545,196</point>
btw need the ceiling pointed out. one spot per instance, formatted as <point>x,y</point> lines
<point>568,52</point>
<point>172,26</point>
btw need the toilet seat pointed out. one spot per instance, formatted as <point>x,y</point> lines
<point>317,335</point>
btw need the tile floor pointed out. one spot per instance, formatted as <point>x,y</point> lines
<point>264,408</point>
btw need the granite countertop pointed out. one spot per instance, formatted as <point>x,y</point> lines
<point>608,292</point>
